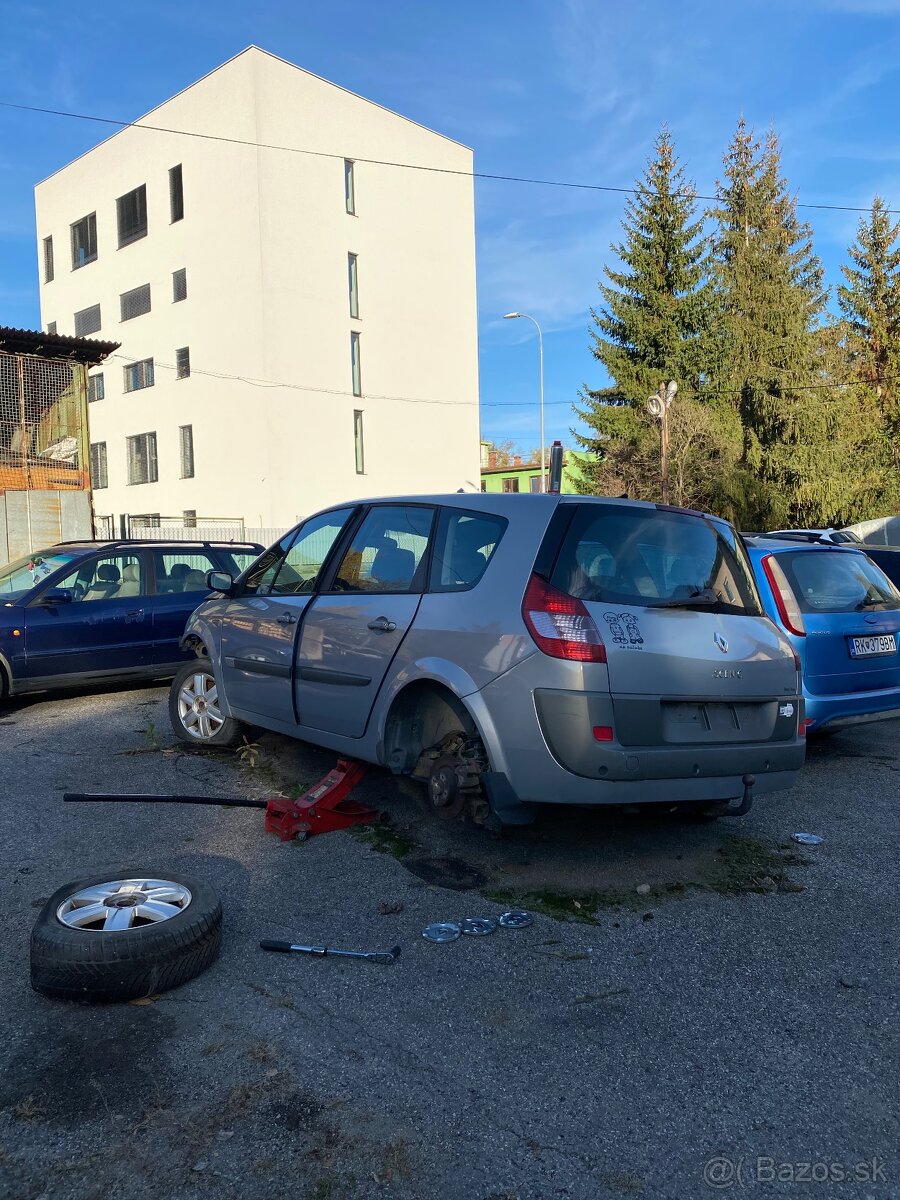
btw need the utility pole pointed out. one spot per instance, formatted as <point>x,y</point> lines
<point>658,407</point>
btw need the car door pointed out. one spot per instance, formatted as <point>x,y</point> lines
<point>355,626</point>
<point>180,585</point>
<point>96,623</point>
<point>259,626</point>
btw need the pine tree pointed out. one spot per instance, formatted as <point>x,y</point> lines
<point>870,304</point>
<point>649,328</point>
<point>804,457</point>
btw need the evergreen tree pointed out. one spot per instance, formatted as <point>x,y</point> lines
<point>804,457</point>
<point>870,304</point>
<point>649,328</point>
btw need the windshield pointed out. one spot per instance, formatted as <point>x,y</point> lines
<point>19,577</point>
<point>654,558</point>
<point>838,581</point>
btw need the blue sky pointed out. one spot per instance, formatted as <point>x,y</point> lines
<point>557,89</point>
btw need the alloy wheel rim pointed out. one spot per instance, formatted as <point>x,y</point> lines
<point>198,706</point>
<point>123,904</point>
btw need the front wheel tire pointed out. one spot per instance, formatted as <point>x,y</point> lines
<point>194,708</point>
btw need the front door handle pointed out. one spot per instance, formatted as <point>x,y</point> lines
<point>382,625</point>
<point>287,619</point>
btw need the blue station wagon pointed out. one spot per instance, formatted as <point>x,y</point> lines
<point>95,612</point>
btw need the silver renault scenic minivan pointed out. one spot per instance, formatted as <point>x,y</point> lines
<point>508,651</point>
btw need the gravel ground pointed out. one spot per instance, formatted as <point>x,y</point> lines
<point>718,1043</point>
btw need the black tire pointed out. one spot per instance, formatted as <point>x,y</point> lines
<point>93,965</point>
<point>231,731</point>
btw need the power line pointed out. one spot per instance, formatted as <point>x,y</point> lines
<point>378,162</point>
<point>701,394</point>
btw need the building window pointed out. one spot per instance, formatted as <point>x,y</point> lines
<point>84,241</point>
<point>176,194</point>
<point>354,364</point>
<point>87,321</point>
<point>142,458</point>
<point>358,442</point>
<point>51,327</point>
<point>354,285</point>
<point>349,187</point>
<point>135,303</point>
<point>186,434</point>
<point>131,214</point>
<point>484,485</point>
<point>179,285</point>
<point>99,477</point>
<point>182,362</point>
<point>139,375</point>
<point>189,516</point>
<point>96,390</point>
<point>510,485</point>
<point>534,483</point>
<point>48,259</point>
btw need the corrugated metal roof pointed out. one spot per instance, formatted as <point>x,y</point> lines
<point>54,345</point>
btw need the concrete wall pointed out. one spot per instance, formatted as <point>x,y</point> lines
<point>264,240</point>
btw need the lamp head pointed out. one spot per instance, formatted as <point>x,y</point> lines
<point>510,316</point>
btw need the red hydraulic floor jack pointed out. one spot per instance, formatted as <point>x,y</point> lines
<point>322,808</point>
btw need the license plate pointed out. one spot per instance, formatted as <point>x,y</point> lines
<point>867,647</point>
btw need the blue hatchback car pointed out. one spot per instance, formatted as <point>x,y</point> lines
<point>96,612</point>
<point>842,615</point>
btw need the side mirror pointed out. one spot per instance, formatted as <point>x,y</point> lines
<point>55,596</point>
<point>218,581</point>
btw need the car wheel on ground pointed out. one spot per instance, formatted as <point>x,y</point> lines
<point>124,935</point>
<point>194,708</point>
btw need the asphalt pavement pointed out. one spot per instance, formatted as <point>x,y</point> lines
<point>729,1030</point>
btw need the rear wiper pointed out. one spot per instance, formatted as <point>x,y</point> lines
<point>701,597</point>
<point>869,602</point>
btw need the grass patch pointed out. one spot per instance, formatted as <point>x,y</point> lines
<point>384,839</point>
<point>741,864</point>
<point>748,864</point>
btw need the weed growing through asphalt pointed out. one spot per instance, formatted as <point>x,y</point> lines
<point>742,864</point>
<point>248,754</point>
<point>384,839</point>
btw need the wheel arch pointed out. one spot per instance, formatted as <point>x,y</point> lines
<point>420,714</point>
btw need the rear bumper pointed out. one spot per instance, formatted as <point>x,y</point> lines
<point>857,708</point>
<point>542,740</point>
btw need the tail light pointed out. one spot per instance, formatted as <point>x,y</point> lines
<point>560,624</point>
<point>804,725</point>
<point>785,600</point>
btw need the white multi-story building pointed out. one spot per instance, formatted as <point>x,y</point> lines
<point>297,315</point>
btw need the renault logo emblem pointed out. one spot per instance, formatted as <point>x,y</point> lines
<point>721,642</point>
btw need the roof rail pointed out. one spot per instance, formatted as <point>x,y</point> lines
<point>112,542</point>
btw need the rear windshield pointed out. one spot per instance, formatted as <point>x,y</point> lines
<point>19,577</point>
<point>622,555</point>
<point>837,581</point>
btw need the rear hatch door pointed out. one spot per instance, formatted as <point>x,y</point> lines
<point>690,655</point>
<point>851,611</point>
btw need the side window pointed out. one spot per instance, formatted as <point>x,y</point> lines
<point>463,547</point>
<point>300,567</point>
<point>112,577</point>
<point>387,551</point>
<point>178,572</point>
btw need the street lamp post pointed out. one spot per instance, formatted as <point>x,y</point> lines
<point>658,407</point>
<point>514,316</point>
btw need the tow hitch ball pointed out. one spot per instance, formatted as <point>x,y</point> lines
<point>746,800</point>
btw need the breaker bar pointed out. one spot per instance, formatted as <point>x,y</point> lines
<point>322,808</point>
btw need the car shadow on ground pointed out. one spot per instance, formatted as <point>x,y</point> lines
<point>572,861</point>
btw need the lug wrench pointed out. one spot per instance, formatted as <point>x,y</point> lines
<point>376,956</point>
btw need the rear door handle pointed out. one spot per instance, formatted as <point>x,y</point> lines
<point>382,625</point>
<point>287,619</point>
